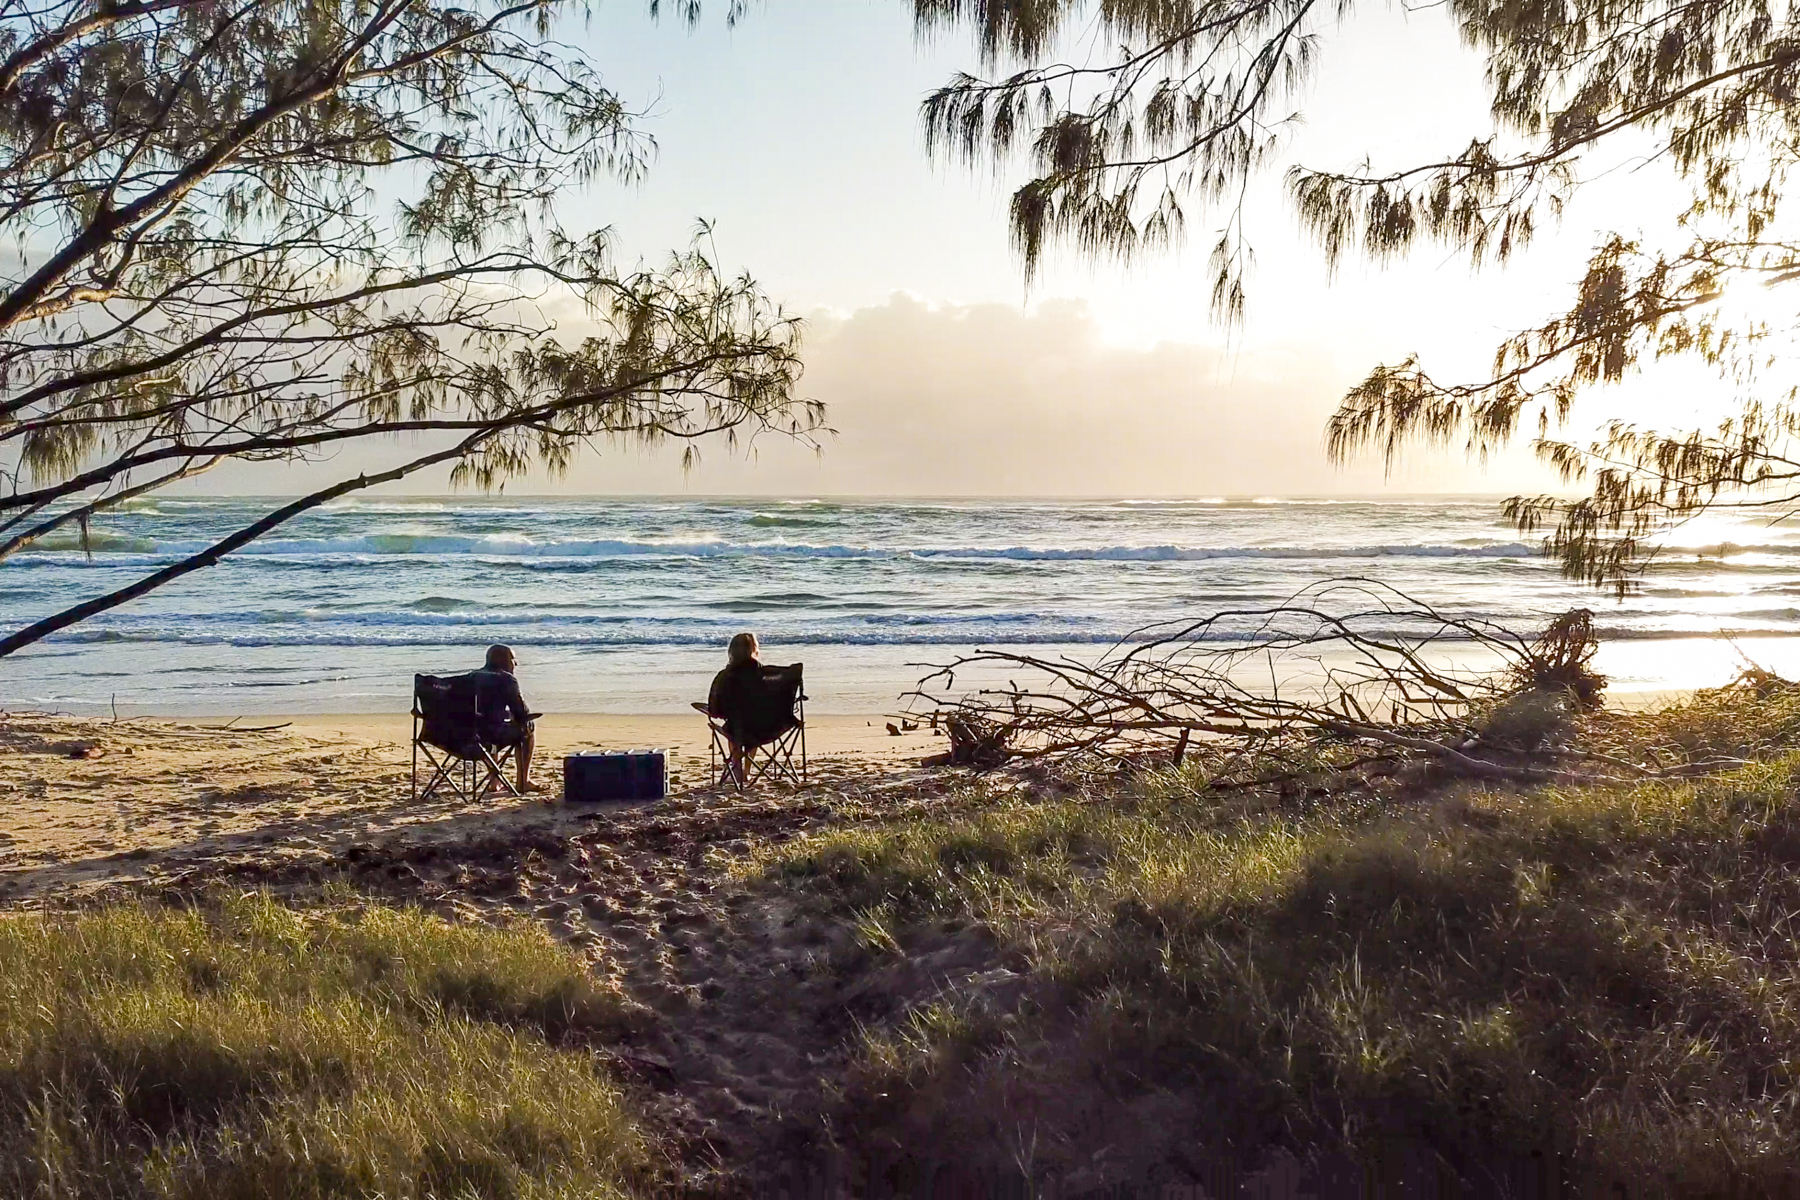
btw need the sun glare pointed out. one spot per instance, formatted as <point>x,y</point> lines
<point>1752,303</point>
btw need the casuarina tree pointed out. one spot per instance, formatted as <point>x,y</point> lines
<point>1191,104</point>
<point>267,230</point>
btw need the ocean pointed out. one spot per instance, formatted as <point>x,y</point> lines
<point>625,605</point>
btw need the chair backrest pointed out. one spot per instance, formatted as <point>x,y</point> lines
<point>787,685</point>
<point>772,707</point>
<point>446,708</point>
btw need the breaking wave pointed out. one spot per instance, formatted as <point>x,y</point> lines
<point>520,546</point>
<point>789,638</point>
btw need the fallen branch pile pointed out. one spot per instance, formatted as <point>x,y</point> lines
<point>1348,673</point>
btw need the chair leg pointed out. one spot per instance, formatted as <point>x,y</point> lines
<point>722,764</point>
<point>415,757</point>
<point>496,771</point>
<point>470,779</point>
<point>443,771</point>
<point>775,760</point>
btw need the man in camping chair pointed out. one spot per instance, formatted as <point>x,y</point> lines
<point>466,726</point>
<point>505,721</point>
<point>755,707</point>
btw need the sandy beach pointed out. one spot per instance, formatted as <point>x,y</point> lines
<point>684,736</point>
<point>93,802</point>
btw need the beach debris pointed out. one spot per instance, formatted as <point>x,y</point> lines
<point>974,742</point>
<point>1345,674</point>
<point>893,729</point>
<point>1559,661</point>
<point>232,727</point>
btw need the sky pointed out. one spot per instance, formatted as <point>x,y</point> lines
<point>796,133</point>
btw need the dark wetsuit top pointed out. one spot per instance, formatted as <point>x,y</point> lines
<point>503,715</point>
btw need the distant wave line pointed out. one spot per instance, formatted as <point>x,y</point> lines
<point>426,617</point>
<point>429,636</point>
<point>512,546</point>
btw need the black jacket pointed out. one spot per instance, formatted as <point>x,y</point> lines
<point>498,703</point>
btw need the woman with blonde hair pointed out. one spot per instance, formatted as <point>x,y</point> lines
<point>754,703</point>
<point>730,694</point>
<point>742,651</point>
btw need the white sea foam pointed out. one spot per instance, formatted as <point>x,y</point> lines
<point>522,546</point>
<point>577,637</point>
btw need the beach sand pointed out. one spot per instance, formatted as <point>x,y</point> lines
<point>684,735</point>
<point>93,802</point>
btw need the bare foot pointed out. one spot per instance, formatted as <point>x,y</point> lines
<point>530,788</point>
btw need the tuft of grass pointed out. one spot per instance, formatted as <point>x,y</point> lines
<point>251,1050</point>
<point>1754,716</point>
<point>1526,721</point>
<point>1602,980</point>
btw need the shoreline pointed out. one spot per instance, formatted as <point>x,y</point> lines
<point>863,733</point>
<point>845,684</point>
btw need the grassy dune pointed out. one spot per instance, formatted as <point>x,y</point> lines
<point>254,1051</point>
<point>1592,989</point>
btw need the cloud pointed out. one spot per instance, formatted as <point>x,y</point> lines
<point>972,400</point>
<point>993,399</point>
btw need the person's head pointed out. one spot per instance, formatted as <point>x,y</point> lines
<point>501,658</point>
<point>742,650</point>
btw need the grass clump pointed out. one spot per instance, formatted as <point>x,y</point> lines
<point>1526,721</point>
<point>1756,715</point>
<point>251,1050</point>
<point>1599,984</point>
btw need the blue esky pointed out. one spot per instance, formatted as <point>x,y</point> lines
<point>797,134</point>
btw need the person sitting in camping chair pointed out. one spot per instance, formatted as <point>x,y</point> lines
<point>756,706</point>
<point>504,719</point>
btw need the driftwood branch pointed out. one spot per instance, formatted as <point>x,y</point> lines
<point>1340,665</point>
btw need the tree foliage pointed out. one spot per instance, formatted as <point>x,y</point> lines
<point>268,229</point>
<point>1192,104</point>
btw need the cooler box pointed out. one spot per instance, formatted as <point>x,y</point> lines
<point>599,775</point>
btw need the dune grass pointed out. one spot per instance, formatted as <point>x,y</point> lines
<point>251,1050</point>
<point>1601,981</point>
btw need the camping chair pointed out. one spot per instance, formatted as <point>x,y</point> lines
<point>446,716</point>
<point>775,728</point>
